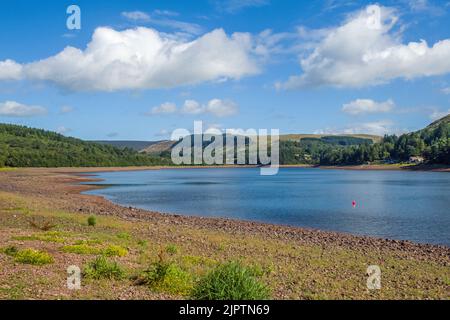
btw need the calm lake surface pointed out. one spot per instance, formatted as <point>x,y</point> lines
<point>390,204</point>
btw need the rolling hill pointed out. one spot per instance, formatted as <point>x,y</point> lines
<point>27,147</point>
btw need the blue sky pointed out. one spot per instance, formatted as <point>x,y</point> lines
<point>140,69</point>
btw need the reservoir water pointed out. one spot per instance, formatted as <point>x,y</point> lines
<point>389,204</point>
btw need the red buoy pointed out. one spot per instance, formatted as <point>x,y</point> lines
<point>354,204</point>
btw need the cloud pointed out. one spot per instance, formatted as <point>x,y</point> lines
<point>216,107</point>
<point>165,108</point>
<point>63,130</point>
<point>168,13</point>
<point>112,134</point>
<point>192,107</point>
<point>16,109</point>
<point>364,106</point>
<point>65,109</point>
<point>136,16</point>
<point>378,128</point>
<point>222,108</point>
<point>437,114</point>
<point>425,6</point>
<point>10,70</point>
<point>160,18</point>
<point>365,52</point>
<point>445,90</point>
<point>234,6</point>
<point>143,58</point>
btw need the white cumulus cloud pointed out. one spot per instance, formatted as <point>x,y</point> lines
<point>142,58</point>
<point>216,107</point>
<point>16,109</point>
<point>10,70</point>
<point>222,108</point>
<point>165,108</point>
<point>362,53</point>
<point>192,107</point>
<point>364,106</point>
<point>136,15</point>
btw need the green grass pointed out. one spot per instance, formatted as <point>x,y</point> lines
<point>81,249</point>
<point>114,250</point>
<point>34,257</point>
<point>102,268</point>
<point>124,236</point>
<point>51,236</point>
<point>230,281</point>
<point>10,251</point>
<point>85,248</point>
<point>172,249</point>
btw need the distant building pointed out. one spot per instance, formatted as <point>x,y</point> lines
<point>416,159</point>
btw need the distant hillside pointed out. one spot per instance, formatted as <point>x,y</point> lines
<point>296,137</point>
<point>26,147</point>
<point>134,145</point>
<point>160,147</point>
<point>435,124</point>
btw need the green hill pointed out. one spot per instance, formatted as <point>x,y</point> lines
<point>26,147</point>
<point>121,144</point>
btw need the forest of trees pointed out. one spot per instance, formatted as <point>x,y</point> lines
<point>26,147</point>
<point>431,143</point>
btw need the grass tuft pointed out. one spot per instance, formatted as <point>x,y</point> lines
<point>114,250</point>
<point>230,281</point>
<point>102,268</point>
<point>171,249</point>
<point>34,257</point>
<point>10,251</point>
<point>163,276</point>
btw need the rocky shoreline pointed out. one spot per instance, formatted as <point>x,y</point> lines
<point>61,187</point>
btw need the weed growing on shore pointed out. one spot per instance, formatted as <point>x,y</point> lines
<point>167,277</point>
<point>171,249</point>
<point>85,248</point>
<point>10,251</point>
<point>230,281</point>
<point>92,221</point>
<point>45,225</point>
<point>114,250</point>
<point>102,268</point>
<point>34,257</point>
<point>124,236</point>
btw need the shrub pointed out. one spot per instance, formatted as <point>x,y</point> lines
<point>230,281</point>
<point>92,221</point>
<point>113,250</point>
<point>171,249</point>
<point>35,257</point>
<point>10,251</point>
<point>102,268</point>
